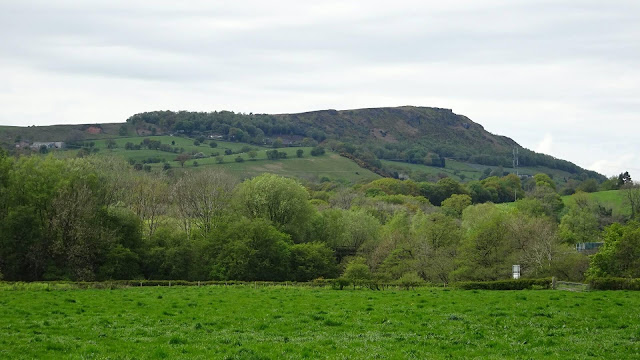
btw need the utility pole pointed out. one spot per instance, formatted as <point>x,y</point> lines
<point>515,160</point>
<point>515,168</point>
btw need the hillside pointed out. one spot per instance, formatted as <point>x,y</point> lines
<point>414,135</point>
<point>417,142</point>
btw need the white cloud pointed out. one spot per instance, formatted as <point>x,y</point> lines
<point>545,146</point>
<point>564,71</point>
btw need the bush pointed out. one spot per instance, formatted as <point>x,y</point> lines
<point>614,284</point>
<point>520,284</point>
<point>409,281</point>
<point>317,151</point>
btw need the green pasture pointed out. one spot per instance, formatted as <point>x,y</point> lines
<point>328,166</point>
<point>611,199</point>
<point>462,171</point>
<point>243,322</point>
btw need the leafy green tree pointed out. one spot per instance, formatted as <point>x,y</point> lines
<point>282,201</point>
<point>544,180</point>
<point>317,151</point>
<point>620,254</point>
<point>549,199</point>
<point>479,194</point>
<point>357,272</point>
<point>454,205</point>
<point>252,250</point>
<point>121,263</point>
<point>299,153</point>
<point>312,260</point>
<point>579,225</point>
<point>485,251</point>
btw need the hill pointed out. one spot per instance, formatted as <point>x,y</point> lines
<point>413,135</point>
<point>417,142</point>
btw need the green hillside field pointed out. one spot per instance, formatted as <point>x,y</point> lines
<point>329,166</point>
<point>612,199</point>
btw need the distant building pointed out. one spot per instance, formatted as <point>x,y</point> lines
<point>50,145</point>
<point>588,247</point>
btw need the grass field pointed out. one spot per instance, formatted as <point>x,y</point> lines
<point>291,323</point>
<point>330,166</point>
<point>455,169</point>
<point>612,199</point>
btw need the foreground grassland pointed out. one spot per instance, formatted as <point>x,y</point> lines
<point>277,322</point>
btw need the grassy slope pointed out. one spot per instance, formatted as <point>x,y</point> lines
<point>8,134</point>
<point>455,168</point>
<point>294,323</point>
<point>330,165</point>
<point>613,199</point>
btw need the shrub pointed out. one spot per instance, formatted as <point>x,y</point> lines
<point>409,280</point>
<point>519,284</point>
<point>317,151</point>
<point>614,284</point>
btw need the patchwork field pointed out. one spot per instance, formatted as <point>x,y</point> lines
<point>244,322</point>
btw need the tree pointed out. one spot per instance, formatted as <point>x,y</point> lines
<point>317,151</point>
<point>454,205</point>
<point>148,198</point>
<point>202,198</point>
<point>624,179</point>
<point>632,198</point>
<point>213,144</point>
<point>252,250</point>
<point>299,153</point>
<point>252,154</point>
<point>544,180</point>
<point>357,272</point>
<point>436,239</point>
<point>182,158</point>
<point>312,260</point>
<point>485,250</point>
<point>239,158</point>
<point>280,200</point>
<point>620,254</point>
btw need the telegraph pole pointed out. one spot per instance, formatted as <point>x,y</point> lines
<point>515,168</point>
<point>515,160</point>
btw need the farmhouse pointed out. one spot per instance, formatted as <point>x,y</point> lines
<point>50,145</point>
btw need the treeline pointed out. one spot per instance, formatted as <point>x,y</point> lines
<point>95,218</point>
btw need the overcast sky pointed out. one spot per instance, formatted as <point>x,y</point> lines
<point>559,77</point>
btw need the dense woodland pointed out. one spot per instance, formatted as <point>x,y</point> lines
<point>96,218</point>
